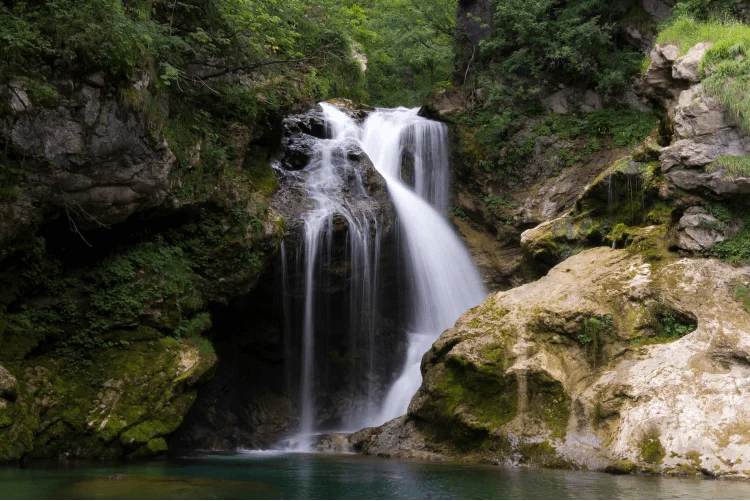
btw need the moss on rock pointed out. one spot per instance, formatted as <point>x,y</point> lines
<point>122,400</point>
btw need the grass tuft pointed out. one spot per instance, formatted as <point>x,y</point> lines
<point>733,166</point>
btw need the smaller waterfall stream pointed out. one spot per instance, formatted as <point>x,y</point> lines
<point>326,175</point>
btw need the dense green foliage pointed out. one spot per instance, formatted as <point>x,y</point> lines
<point>281,48</point>
<point>408,45</point>
<point>537,48</point>
<point>590,132</point>
<point>165,272</point>
<point>537,44</point>
<point>120,36</point>
<point>709,9</point>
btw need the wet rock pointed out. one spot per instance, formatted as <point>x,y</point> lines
<point>335,443</point>
<point>570,371</point>
<point>299,148</point>
<point>311,123</point>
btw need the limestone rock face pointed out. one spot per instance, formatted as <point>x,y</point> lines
<point>703,130</point>
<point>577,370</point>
<point>699,230</point>
<point>89,155</point>
<point>659,84</point>
<point>686,67</point>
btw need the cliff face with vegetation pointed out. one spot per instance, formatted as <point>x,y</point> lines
<point>136,140</point>
<point>620,356</point>
<point>601,169</point>
<point>136,214</point>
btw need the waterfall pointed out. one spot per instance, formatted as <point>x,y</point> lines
<point>286,311</point>
<point>442,281</point>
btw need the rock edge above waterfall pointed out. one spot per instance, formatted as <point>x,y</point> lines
<point>300,135</point>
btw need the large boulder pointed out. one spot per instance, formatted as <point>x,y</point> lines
<point>362,188</point>
<point>122,402</point>
<point>608,362</point>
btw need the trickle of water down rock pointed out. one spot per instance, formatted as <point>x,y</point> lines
<point>441,280</point>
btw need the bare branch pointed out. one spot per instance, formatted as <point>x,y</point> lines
<point>72,225</point>
<point>101,225</point>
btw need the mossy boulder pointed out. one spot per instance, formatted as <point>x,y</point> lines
<point>612,361</point>
<point>121,401</point>
<point>619,201</point>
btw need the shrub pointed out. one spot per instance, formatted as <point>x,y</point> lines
<point>736,249</point>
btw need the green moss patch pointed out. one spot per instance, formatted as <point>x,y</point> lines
<point>470,403</point>
<point>548,400</point>
<point>651,450</point>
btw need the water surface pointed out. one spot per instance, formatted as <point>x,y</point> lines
<point>296,476</point>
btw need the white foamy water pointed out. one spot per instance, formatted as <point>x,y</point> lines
<point>442,281</point>
<point>442,278</point>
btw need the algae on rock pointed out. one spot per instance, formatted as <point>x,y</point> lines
<point>518,379</point>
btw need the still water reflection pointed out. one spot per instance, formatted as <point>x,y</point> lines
<point>295,476</point>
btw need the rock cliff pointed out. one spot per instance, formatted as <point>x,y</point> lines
<point>111,267</point>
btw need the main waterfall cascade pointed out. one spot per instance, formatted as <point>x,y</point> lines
<point>411,154</point>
